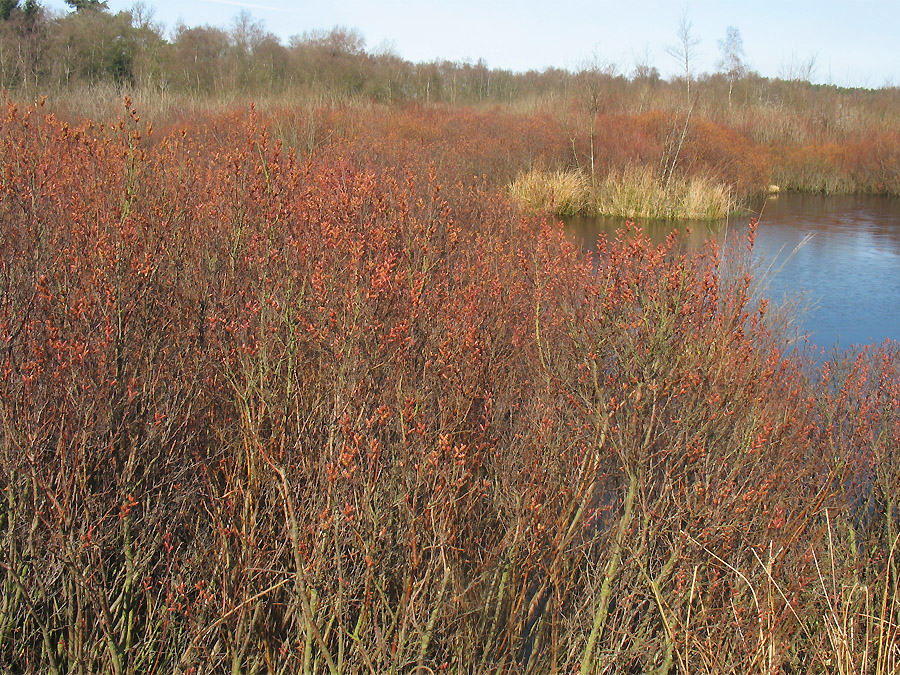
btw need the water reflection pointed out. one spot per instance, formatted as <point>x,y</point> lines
<point>849,268</point>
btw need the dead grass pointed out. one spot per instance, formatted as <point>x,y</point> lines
<point>635,192</point>
<point>559,192</point>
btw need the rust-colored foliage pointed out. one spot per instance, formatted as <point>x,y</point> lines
<point>279,412</point>
<point>868,165</point>
<point>676,144</point>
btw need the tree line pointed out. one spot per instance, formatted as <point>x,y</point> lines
<point>42,51</point>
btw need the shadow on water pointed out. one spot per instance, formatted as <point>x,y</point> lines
<point>848,266</point>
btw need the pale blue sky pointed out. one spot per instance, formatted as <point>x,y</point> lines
<point>854,43</point>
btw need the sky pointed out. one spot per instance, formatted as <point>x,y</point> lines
<point>848,42</point>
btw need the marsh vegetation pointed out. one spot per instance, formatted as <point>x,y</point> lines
<point>296,387</point>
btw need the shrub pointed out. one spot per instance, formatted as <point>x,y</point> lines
<point>271,414</point>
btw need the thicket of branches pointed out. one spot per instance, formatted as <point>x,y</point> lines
<point>350,412</point>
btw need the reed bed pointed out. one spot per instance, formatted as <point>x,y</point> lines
<point>635,192</point>
<point>560,192</point>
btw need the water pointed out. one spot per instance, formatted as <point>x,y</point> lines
<point>847,271</point>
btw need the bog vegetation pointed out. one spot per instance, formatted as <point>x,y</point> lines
<point>299,389</point>
<point>605,141</point>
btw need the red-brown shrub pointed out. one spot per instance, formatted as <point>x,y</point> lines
<point>325,413</point>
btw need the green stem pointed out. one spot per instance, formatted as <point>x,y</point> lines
<point>612,568</point>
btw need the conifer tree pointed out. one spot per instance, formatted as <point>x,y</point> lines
<point>83,5</point>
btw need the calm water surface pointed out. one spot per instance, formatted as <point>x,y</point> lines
<point>847,268</point>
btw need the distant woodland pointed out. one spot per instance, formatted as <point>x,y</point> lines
<point>41,51</point>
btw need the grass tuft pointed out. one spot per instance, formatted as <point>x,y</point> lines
<point>635,192</point>
<point>559,192</point>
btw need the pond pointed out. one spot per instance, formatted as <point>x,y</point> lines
<point>839,254</point>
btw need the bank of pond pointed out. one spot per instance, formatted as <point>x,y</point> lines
<point>834,259</point>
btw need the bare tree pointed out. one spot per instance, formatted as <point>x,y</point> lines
<point>798,70</point>
<point>644,70</point>
<point>595,77</point>
<point>732,61</point>
<point>646,75</point>
<point>685,51</point>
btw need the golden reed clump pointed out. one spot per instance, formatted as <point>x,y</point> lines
<point>635,192</point>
